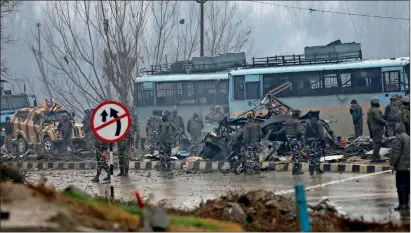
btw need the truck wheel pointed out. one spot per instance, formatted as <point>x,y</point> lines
<point>47,145</point>
<point>21,146</point>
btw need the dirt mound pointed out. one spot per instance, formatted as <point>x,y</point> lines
<point>40,208</point>
<point>8,173</point>
<point>265,211</point>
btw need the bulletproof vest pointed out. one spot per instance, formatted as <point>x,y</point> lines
<point>311,128</point>
<point>177,120</point>
<point>292,128</point>
<point>253,134</point>
<point>164,133</point>
<point>392,114</point>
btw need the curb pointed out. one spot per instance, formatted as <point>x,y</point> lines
<point>204,166</point>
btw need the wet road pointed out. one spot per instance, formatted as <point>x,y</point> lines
<point>372,197</point>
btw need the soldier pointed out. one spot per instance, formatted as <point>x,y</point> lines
<point>293,133</point>
<point>178,123</point>
<point>315,139</point>
<point>251,145</point>
<point>87,129</point>
<point>400,162</point>
<point>167,113</point>
<point>390,116</point>
<point>153,124</point>
<point>101,157</point>
<point>135,129</point>
<point>404,114</point>
<point>356,113</point>
<point>194,127</point>
<point>216,115</point>
<point>66,127</point>
<point>124,148</point>
<point>8,128</point>
<point>376,125</point>
<point>167,131</point>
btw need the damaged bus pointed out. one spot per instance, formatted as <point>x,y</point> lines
<point>327,82</point>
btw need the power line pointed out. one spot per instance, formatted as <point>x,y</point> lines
<point>332,12</point>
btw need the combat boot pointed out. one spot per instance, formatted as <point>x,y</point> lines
<point>97,177</point>
<point>121,172</point>
<point>107,178</point>
<point>401,199</point>
<point>126,171</point>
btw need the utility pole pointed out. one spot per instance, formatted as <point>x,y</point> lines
<point>201,26</point>
<point>38,54</point>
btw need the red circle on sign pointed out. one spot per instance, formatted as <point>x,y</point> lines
<point>93,127</point>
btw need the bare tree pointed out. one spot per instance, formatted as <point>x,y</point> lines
<point>223,34</point>
<point>164,17</point>
<point>92,45</point>
<point>7,7</point>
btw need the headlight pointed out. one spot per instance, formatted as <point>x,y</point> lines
<point>3,129</point>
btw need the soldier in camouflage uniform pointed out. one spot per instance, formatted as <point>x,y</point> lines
<point>315,139</point>
<point>102,157</point>
<point>124,148</point>
<point>404,114</point>
<point>87,129</point>
<point>135,129</point>
<point>153,124</point>
<point>251,145</point>
<point>167,132</point>
<point>390,116</point>
<point>376,125</point>
<point>293,133</point>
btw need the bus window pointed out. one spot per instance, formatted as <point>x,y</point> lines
<point>238,88</point>
<point>206,92</point>
<point>223,91</point>
<point>252,90</point>
<point>185,93</point>
<point>407,81</point>
<point>165,93</point>
<point>4,103</point>
<point>345,82</point>
<point>391,81</point>
<point>366,80</point>
<point>144,97</point>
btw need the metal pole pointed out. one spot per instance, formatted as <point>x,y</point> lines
<point>111,170</point>
<point>202,28</point>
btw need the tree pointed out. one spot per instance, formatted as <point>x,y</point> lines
<point>7,8</point>
<point>92,46</point>
<point>224,34</point>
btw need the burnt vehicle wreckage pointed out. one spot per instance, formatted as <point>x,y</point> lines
<point>224,143</point>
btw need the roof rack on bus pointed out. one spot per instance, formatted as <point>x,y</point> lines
<point>305,59</point>
<point>222,62</point>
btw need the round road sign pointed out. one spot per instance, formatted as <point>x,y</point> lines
<point>110,121</point>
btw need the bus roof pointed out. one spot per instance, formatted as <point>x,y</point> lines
<point>401,61</point>
<point>182,77</point>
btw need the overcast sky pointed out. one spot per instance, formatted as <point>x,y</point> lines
<point>277,30</point>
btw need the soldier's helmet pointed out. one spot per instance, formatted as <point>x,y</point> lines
<point>164,118</point>
<point>375,100</point>
<point>296,112</point>
<point>353,101</point>
<point>195,114</point>
<point>167,113</point>
<point>405,100</point>
<point>174,112</point>
<point>7,118</point>
<point>394,97</point>
<point>217,108</point>
<point>315,113</point>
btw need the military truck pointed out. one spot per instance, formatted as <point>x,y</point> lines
<point>36,128</point>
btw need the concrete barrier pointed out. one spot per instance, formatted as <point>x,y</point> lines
<point>204,166</point>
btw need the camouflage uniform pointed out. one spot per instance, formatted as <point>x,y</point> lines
<point>135,130</point>
<point>179,124</point>
<point>153,124</point>
<point>315,139</point>
<point>167,131</point>
<point>356,113</point>
<point>404,114</point>
<point>65,127</point>
<point>124,153</point>
<point>390,115</point>
<point>293,133</point>
<point>376,125</point>
<point>8,135</point>
<point>251,145</point>
<point>194,127</point>
<point>87,129</point>
<point>102,163</point>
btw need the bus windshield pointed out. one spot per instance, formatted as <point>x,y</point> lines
<point>13,102</point>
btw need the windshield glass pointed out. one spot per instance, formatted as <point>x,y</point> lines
<point>55,116</point>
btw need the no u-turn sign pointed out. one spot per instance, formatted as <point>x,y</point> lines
<point>110,121</point>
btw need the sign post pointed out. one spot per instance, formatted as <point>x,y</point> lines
<point>110,123</point>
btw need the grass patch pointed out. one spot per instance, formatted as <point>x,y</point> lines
<point>194,222</point>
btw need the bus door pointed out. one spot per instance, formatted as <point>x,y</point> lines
<point>252,89</point>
